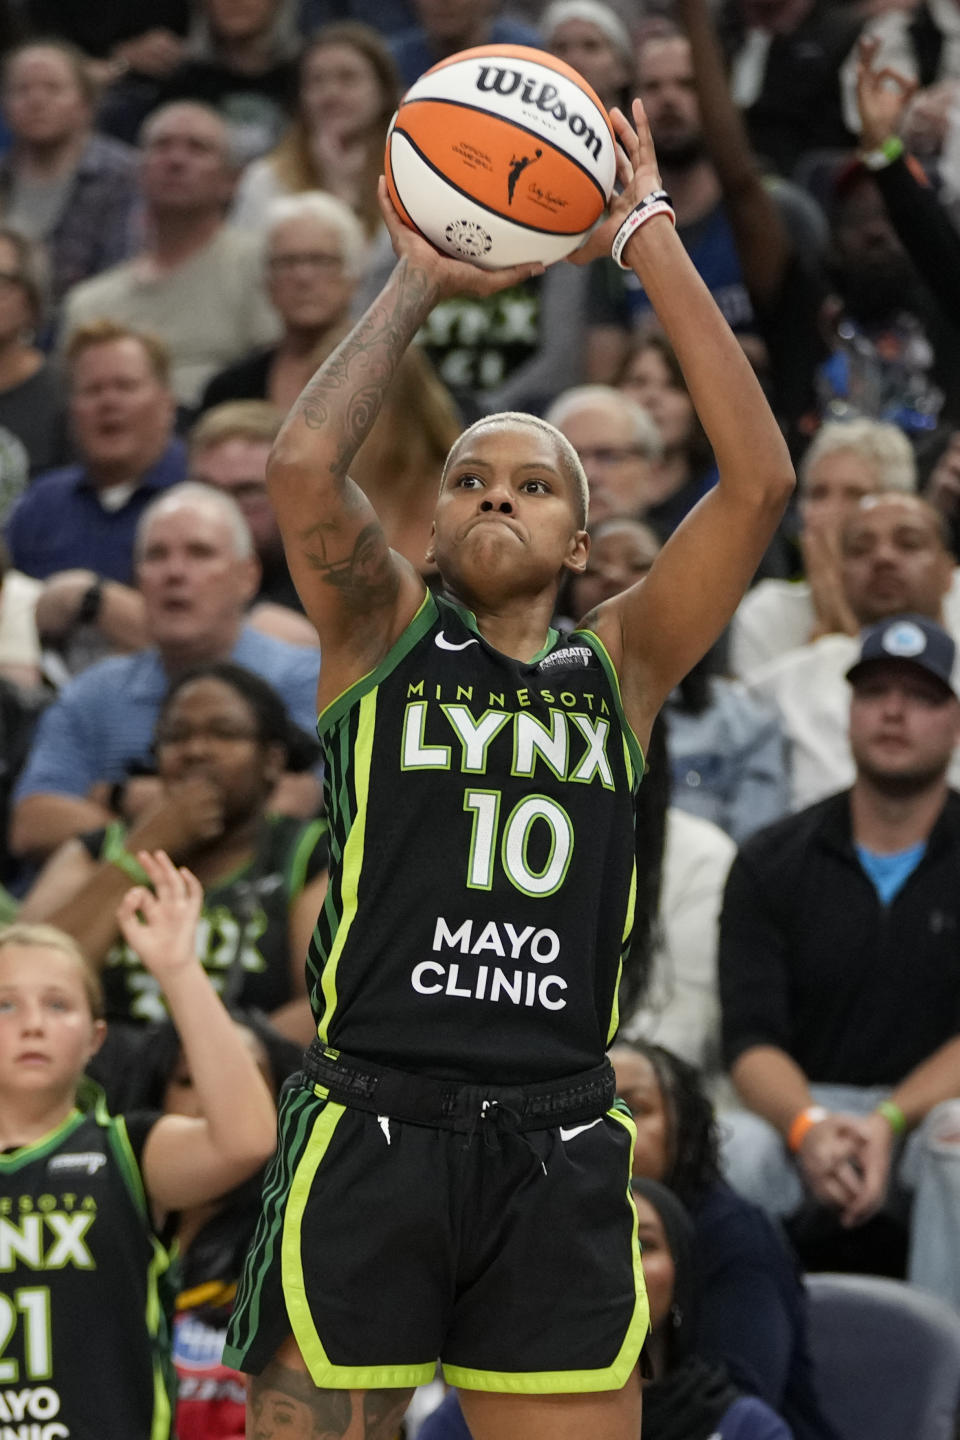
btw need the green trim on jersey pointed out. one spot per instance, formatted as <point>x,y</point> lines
<point>296,1109</point>
<point>470,621</point>
<point>578,1382</point>
<point>299,857</point>
<point>632,749</point>
<point>352,867</point>
<point>323,1372</point>
<point>417,628</point>
<point>155,1313</point>
<point>628,920</point>
<point>26,1154</point>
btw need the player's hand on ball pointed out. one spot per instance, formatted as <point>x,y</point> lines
<point>451,277</point>
<point>160,924</point>
<point>637,173</point>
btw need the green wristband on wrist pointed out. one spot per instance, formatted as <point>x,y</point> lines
<point>884,155</point>
<point>894,1116</point>
<point>115,852</point>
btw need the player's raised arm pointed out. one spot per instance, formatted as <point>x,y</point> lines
<point>658,629</point>
<point>357,592</point>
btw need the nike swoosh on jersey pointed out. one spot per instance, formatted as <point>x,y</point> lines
<point>444,644</point>
<point>579,1129</point>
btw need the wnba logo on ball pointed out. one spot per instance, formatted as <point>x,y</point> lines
<point>541,94</point>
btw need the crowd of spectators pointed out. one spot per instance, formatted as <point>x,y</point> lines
<point>188,227</point>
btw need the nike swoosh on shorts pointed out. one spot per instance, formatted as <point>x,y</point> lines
<point>579,1129</point>
<point>443,643</point>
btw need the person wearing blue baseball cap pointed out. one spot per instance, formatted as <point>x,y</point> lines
<point>839,965</point>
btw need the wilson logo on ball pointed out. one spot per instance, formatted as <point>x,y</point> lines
<point>505,143</point>
<point>546,98</point>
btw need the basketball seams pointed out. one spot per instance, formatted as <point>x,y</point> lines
<point>488,209</point>
<point>508,124</point>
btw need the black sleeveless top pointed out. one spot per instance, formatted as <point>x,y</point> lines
<point>481,856</point>
<point>84,1299</point>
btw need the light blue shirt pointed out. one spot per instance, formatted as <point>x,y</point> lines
<point>105,718</point>
<point>890,873</point>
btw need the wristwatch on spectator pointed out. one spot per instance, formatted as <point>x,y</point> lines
<point>90,605</point>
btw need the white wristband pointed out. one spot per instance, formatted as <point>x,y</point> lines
<point>656,204</point>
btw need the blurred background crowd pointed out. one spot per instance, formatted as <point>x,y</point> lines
<point>188,227</point>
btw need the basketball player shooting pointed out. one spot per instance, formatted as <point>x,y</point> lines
<point>452,1177</point>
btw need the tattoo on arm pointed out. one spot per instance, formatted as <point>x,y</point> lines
<point>284,1401</point>
<point>348,389</point>
<point>365,578</point>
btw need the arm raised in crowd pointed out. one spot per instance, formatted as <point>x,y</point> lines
<point>188,1161</point>
<point>922,224</point>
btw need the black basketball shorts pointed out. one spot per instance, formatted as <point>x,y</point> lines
<point>508,1253</point>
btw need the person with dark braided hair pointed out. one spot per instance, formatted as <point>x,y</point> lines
<point>752,1313</point>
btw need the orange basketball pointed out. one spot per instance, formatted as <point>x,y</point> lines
<point>501,155</point>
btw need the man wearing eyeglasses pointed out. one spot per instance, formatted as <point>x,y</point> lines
<point>618,444</point>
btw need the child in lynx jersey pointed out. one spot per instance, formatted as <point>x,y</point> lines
<point>452,1174</point>
<point>84,1346</point>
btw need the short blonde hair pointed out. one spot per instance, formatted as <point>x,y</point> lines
<point>569,459</point>
<point>255,420</point>
<point>880,444</point>
<point>48,937</point>
<point>105,332</point>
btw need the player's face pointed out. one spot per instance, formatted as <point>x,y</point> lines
<point>209,730</point>
<point>507,515</point>
<point>194,585</point>
<point>904,724</point>
<point>893,559</point>
<point>834,487</point>
<point>47,1033</point>
<point>621,553</point>
<point>658,1268</point>
<point>638,1088</point>
<point>618,471</point>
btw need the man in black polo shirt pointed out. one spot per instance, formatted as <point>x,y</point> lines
<point>840,969</point>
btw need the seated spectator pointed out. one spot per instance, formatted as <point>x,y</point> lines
<point>197,573</point>
<point>239,59</point>
<point>196,283</point>
<point>121,413</point>
<point>32,418</point>
<point>104,1296</point>
<point>893,559</point>
<point>20,657</point>
<point>618,444</point>
<point>446,26</point>
<point>838,975</point>
<point>63,185</point>
<point>313,249</point>
<point>222,742</point>
<point>727,751</point>
<point>590,36</point>
<point>81,616</point>
<point>652,376</point>
<point>211,1239</point>
<point>845,461</point>
<point>752,1316</point>
<point>348,91</point>
<point>228,448</point>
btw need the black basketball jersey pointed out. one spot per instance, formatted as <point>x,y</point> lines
<point>84,1339</point>
<point>481,856</point>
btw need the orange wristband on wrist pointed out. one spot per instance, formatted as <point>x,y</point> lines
<point>802,1123</point>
